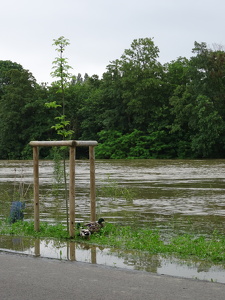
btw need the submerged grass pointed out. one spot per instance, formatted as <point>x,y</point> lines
<point>131,238</point>
<point>24,228</point>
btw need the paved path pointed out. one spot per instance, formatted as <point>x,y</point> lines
<point>29,278</point>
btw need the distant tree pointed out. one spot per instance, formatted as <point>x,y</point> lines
<point>18,88</point>
<point>198,104</point>
<point>135,94</point>
<point>5,66</point>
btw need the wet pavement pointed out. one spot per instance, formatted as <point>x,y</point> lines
<point>102,256</point>
<point>26,277</point>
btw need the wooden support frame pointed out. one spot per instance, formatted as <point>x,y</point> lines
<point>72,144</point>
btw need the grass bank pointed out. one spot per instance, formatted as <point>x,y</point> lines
<point>210,249</point>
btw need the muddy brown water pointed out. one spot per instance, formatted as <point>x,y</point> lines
<point>174,196</point>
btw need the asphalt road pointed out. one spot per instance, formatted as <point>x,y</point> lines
<point>29,278</point>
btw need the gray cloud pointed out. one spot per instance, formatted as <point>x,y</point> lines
<point>100,30</point>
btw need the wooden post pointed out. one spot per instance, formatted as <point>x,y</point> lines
<point>93,255</point>
<point>72,251</point>
<point>92,183</point>
<point>72,144</point>
<point>72,190</point>
<point>36,190</point>
<point>37,251</point>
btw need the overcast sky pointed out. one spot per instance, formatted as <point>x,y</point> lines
<point>100,30</point>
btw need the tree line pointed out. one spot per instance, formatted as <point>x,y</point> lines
<point>140,108</point>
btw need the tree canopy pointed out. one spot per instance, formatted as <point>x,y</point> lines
<point>138,109</point>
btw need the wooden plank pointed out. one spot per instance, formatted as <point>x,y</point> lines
<point>52,143</point>
<point>86,143</point>
<point>70,143</point>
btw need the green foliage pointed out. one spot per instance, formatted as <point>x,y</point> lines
<point>201,247</point>
<point>52,104</point>
<point>60,65</point>
<point>198,105</point>
<point>60,127</point>
<point>131,237</point>
<point>114,145</point>
<point>15,107</point>
<point>23,228</point>
<point>209,127</point>
<point>139,109</point>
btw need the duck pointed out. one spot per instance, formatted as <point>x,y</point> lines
<point>95,226</point>
<point>85,233</point>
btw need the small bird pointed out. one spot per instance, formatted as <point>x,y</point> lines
<point>85,233</point>
<point>95,226</point>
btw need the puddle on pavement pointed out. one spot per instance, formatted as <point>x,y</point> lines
<point>113,257</point>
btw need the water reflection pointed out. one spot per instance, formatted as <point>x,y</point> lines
<point>132,260</point>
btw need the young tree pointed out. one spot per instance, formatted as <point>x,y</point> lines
<point>61,73</point>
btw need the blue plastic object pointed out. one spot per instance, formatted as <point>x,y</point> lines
<point>16,211</point>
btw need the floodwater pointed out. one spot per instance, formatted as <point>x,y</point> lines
<point>132,260</point>
<point>174,196</point>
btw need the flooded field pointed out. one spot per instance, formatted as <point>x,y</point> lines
<point>183,195</point>
<point>174,196</point>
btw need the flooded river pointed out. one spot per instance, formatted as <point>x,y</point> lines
<point>174,196</point>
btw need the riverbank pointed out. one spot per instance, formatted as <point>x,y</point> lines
<point>209,249</point>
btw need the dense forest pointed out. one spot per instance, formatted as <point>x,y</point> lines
<point>138,109</point>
